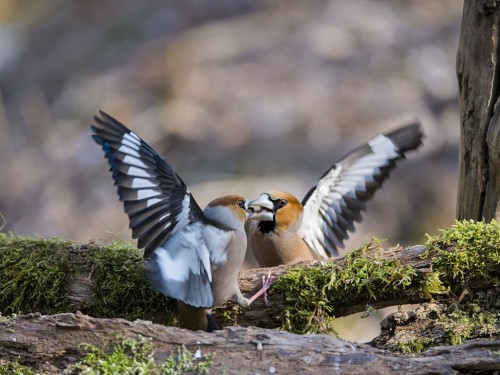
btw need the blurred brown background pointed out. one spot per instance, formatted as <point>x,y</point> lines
<point>240,96</point>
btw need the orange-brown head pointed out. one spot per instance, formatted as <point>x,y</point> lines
<point>228,209</point>
<point>281,210</point>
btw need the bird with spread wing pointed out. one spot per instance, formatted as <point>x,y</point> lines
<point>284,230</point>
<point>192,255</point>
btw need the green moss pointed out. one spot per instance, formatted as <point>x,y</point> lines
<point>120,287</point>
<point>451,323</point>
<point>230,316</point>
<point>414,346</point>
<point>475,255</point>
<point>476,316</point>
<point>432,285</point>
<point>137,357</point>
<point>35,276</point>
<point>468,251</point>
<point>311,294</point>
<point>462,256</point>
<point>14,368</point>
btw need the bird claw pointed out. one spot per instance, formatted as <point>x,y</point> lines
<point>266,284</point>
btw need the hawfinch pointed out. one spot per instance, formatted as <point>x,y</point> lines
<point>283,230</point>
<point>192,255</point>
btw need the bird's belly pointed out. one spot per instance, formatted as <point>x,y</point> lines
<point>270,252</point>
<point>224,287</point>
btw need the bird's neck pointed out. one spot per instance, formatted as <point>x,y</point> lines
<point>266,226</point>
<point>222,218</point>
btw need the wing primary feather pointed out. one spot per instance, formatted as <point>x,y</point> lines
<point>333,247</point>
<point>156,218</point>
<point>408,137</point>
<point>136,208</point>
<point>150,239</point>
<point>152,213</point>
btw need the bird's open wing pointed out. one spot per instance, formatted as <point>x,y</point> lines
<point>158,204</point>
<point>155,198</point>
<point>201,246</point>
<point>336,201</point>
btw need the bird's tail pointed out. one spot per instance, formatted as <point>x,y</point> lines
<point>195,318</point>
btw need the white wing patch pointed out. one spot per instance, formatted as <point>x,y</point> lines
<point>126,149</point>
<point>182,252</point>
<point>142,183</point>
<point>383,146</point>
<point>138,172</point>
<point>183,216</point>
<point>133,137</point>
<point>132,160</point>
<point>146,193</point>
<point>152,201</point>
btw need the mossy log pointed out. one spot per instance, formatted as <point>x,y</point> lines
<point>388,263</point>
<point>51,343</point>
<point>455,273</point>
<point>109,282</point>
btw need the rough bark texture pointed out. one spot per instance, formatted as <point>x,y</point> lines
<point>478,74</point>
<point>53,342</point>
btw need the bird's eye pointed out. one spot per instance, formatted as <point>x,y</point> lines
<point>283,202</point>
<point>241,203</point>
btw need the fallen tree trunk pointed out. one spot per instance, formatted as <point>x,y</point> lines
<point>112,293</point>
<point>109,281</point>
<point>51,343</point>
<point>458,271</point>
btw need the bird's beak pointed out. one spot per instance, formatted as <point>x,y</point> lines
<point>261,209</point>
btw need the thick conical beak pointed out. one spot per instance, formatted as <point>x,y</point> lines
<point>261,209</point>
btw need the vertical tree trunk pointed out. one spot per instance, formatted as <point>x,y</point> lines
<point>478,75</point>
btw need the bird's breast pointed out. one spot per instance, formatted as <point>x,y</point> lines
<point>271,249</point>
<point>225,275</point>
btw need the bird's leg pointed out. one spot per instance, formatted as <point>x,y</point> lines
<point>266,283</point>
<point>245,302</point>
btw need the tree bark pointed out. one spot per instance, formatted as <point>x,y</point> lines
<point>478,75</point>
<point>51,343</point>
